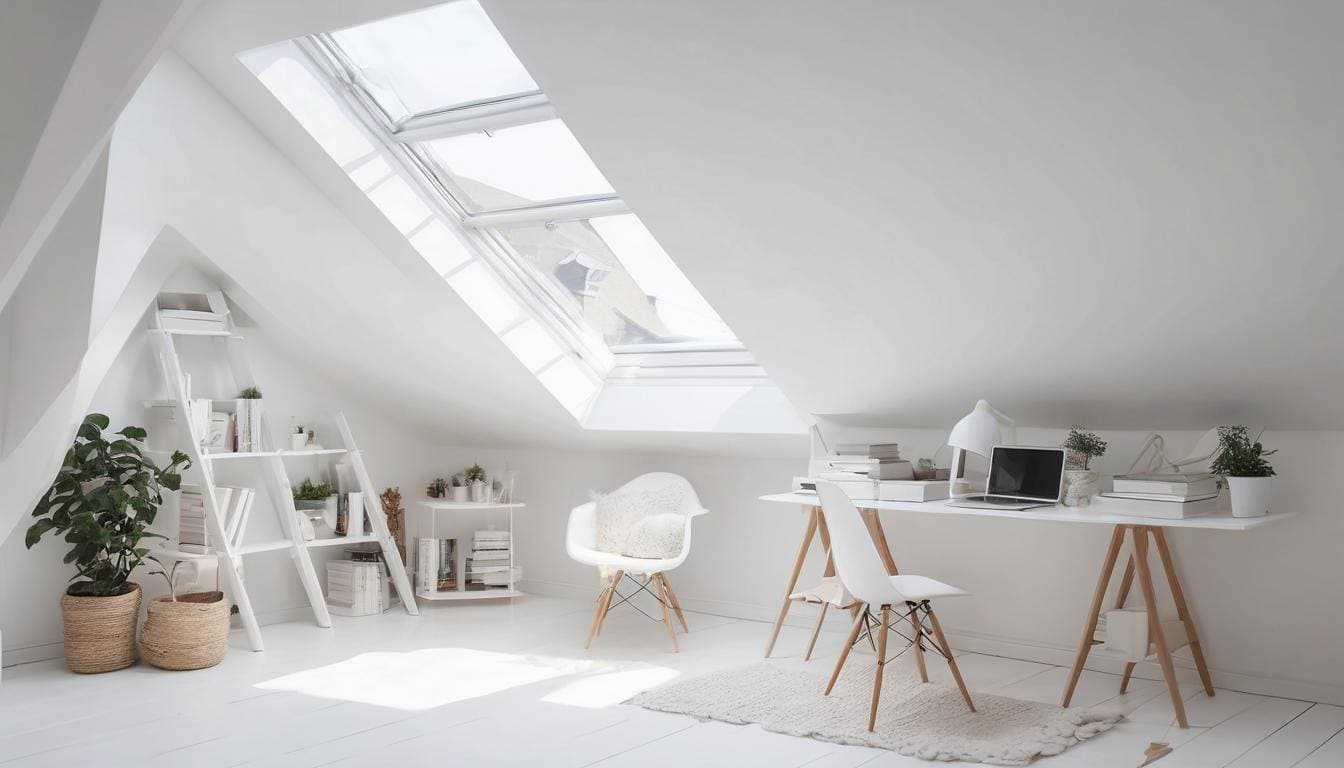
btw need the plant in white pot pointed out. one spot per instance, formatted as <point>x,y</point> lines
<point>476,481</point>
<point>102,502</point>
<point>1080,448</point>
<point>1242,462</point>
<point>459,487</point>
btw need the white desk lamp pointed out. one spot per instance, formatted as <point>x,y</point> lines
<point>978,432</point>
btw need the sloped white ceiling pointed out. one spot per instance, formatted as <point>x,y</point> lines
<point>1122,214</point>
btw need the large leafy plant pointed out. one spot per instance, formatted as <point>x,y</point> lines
<point>1240,456</point>
<point>103,501</point>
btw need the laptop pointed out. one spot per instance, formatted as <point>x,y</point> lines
<point>1019,478</point>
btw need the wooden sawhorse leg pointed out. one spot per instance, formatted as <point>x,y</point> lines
<point>1138,566</point>
<point>813,515</point>
<point>816,526</point>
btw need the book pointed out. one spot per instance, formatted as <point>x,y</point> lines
<point>1167,510</point>
<point>447,572</point>
<point>1161,496</point>
<point>1186,486</point>
<point>893,490</point>
<point>892,470</point>
<point>426,565</point>
<point>884,451</point>
<point>215,439</point>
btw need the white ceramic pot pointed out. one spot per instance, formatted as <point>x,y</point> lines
<point>459,493</point>
<point>1080,485</point>
<point>1250,496</point>
<point>297,440</point>
<point>478,492</point>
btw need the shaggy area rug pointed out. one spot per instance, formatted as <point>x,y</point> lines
<point>925,720</point>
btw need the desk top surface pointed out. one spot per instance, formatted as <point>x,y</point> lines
<point>1096,513</point>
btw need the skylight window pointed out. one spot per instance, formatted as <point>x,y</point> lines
<point>436,120</point>
<point>445,57</point>
<point>515,167</point>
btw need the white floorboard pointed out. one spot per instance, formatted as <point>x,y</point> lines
<point>509,684</point>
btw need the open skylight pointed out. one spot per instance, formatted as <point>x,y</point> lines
<point>433,116</point>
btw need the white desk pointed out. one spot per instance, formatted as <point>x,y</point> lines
<point>1139,528</point>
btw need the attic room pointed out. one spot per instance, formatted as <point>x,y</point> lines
<point>521,383</point>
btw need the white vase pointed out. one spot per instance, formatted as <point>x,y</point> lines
<point>459,493</point>
<point>1080,485</point>
<point>478,492</point>
<point>1250,496</point>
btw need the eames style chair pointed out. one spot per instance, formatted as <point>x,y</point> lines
<point>897,599</point>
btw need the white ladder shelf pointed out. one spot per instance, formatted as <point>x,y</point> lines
<point>270,468</point>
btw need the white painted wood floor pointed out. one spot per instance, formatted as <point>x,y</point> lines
<point>510,685</point>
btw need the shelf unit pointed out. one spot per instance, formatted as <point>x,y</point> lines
<point>434,507</point>
<point>269,464</point>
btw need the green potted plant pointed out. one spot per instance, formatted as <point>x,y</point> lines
<point>1241,462</point>
<point>475,477</point>
<point>459,487</point>
<point>102,502</point>
<point>247,411</point>
<point>1080,482</point>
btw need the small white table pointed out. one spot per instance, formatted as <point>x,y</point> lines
<point>434,506</point>
<point>1139,528</point>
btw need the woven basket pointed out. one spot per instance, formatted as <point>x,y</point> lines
<point>100,631</point>
<point>191,632</point>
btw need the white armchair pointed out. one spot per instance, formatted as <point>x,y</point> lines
<point>581,544</point>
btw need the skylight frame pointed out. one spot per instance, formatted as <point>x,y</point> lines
<point>685,362</point>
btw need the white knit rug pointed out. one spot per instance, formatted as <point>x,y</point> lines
<point>926,720</point>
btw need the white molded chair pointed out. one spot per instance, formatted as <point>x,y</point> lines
<point>861,570</point>
<point>581,543</point>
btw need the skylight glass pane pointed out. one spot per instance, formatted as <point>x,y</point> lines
<point>434,59</point>
<point>516,167</point>
<point>627,288</point>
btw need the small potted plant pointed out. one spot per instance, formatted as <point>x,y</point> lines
<point>1080,481</point>
<point>316,502</point>
<point>475,477</point>
<point>298,438</point>
<point>1242,463</point>
<point>247,410</point>
<point>102,502</point>
<point>437,489</point>
<point>459,487</point>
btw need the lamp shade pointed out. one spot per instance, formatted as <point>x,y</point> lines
<point>980,430</point>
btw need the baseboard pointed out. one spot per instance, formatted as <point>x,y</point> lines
<point>993,645</point>
<point>46,651</point>
<point>29,654</point>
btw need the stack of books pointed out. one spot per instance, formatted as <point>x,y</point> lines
<point>435,565</point>
<point>192,533</point>
<point>1172,497</point>
<point>356,588</point>
<point>489,564</point>
<point>887,464</point>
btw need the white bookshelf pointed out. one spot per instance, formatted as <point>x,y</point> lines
<point>436,508</point>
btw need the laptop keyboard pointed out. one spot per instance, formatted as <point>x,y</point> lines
<point>1004,500</point>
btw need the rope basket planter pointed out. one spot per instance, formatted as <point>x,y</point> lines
<point>191,632</point>
<point>100,631</point>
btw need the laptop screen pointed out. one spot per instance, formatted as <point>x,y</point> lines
<point>1033,473</point>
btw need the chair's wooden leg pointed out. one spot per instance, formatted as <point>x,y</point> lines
<point>1140,536</point>
<point>919,637</point>
<point>667,614</point>
<point>813,515</point>
<point>1129,671</point>
<point>598,610</point>
<point>947,652</point>
<point>881,665</point>
<point>821,619</point>
<point>860,612</point>
<point>1182,610</point>
<point>1090,626</point>
<point>676,604</point>
<point>606,608</point>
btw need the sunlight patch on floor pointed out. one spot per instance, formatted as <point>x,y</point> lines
<point>433,677</point>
